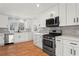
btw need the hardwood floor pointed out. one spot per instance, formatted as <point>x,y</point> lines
<point>21,49</point>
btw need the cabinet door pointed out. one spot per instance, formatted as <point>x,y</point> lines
<point>62,14</point>
<point>67,50</point>
<point>1,41</point>
<point>40,41</point>
<point>58,47</point>
<point>76,51</point>
<point>77,12</point>
<point>36,40</point>
<point>71,14</point>
<point>3,21</point>
<point>55,11</point>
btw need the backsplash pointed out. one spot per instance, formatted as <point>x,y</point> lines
<point>47,29</point>
<point>3,30</point>
<point>66,30</point>
<point>70,30</point>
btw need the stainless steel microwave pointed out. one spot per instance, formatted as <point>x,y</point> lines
<point>52,22</point>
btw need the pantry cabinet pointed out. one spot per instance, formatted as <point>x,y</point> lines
<point>3,21</point>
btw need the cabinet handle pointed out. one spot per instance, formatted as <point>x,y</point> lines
<point>74,52</point>
<point>71,51</point>
<point>58,40</point>
<point>73,43</point>
<point>77,19</point>
<point>74,20</point>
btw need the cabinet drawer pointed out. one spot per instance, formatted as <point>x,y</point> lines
<point>71,42</point>
<point>59,40</point>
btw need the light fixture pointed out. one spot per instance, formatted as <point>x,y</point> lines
<point>37,5</point>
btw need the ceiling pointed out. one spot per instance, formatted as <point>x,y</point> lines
<point>24,10</point>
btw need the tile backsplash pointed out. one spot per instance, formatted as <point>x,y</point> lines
<point>70,30</point>
<point>66,30</point>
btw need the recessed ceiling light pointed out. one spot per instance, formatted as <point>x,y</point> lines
<point>37,5</point>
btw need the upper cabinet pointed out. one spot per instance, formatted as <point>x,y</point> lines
<point>68,14</point>
<point>55,11</point>
<point>3,21</point>
<point>71,14</point>
<point>77,13</point>
<point>62,14</point>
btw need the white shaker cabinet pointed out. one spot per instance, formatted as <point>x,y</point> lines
<point>62,14</point>
<point>76,51</point>
<point>3,21</point>
<point>22,37</point>
<point>58,46</point>
<point>67,50</point>
<point>70,50</point>
<point>71,14</point>
<point>77,12</point>
<point>70,46</point>
<point>1,40</point>
<point>55,11</point>
<point>37,40</point>
<point>67,46</point>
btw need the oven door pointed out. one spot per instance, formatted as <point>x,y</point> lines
<point>49,43</point>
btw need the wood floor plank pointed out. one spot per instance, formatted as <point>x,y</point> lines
<point>21,49</point>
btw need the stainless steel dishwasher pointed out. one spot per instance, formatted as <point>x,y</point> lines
<point>8,39</point>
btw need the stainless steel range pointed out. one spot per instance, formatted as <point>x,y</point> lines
<point>49,44</point>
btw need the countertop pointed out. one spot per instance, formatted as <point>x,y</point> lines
<point>67,37</point>
<point>40,33</point>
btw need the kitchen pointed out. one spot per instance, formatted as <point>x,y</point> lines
<point>51,27</point>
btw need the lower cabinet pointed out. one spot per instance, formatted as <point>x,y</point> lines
<point>58,47</point>
<point>22,37</point>
<point>37,40</point>
<point>67,50</point>
<point>2,40</point>
<point>67,47</point>
<point>70,50</point>
<point>76,51</point>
